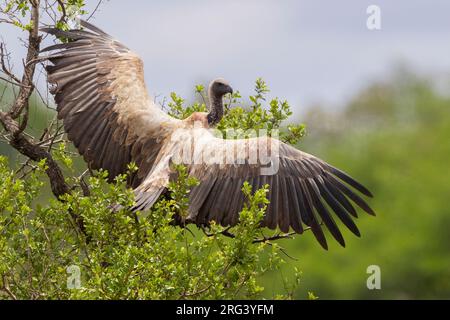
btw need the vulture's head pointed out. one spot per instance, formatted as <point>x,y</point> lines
<point>218,88</point>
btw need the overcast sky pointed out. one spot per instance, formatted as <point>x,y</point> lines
<point>307,51</point>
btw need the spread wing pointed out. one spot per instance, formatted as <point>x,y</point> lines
<point>100,93</point>
<point>304,191</point>
<point>101,97</point>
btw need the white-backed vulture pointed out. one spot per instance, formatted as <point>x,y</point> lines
<point>99,89</point>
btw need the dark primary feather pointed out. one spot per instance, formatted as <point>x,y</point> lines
<point>305,193</point>
<point>93,78</point>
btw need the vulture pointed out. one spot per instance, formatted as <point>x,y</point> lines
<point>101,97</point>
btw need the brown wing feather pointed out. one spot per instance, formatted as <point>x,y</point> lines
<point>102,99</point>
<point>304,191</point>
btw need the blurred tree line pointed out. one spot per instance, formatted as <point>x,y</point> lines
<point>394,135</point>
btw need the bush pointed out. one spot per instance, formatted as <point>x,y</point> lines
<point>123,255</point>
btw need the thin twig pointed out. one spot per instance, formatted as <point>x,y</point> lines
<point>6,288</point>
<point>95,10</point>
<point>5,69</point>
<point>63,9</point>
<point>275,237</point>
<point>6,21</point>
<point>224,232</point>
<point>13,82</point>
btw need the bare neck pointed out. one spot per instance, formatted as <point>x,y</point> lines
<point>216,110</point>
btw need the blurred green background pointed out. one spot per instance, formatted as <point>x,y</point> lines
<point>394,136</point>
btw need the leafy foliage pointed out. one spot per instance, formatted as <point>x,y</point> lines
<point>260,114</point>
<point>18,10</point>
<point>122,255</point>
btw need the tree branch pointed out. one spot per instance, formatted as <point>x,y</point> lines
<point>95,10</point>
<point>27,86</point>
<point>37,153</point>
<point>6,288</point>
<point>18,138</point>
<point>275,237</point>
<point>63,9</point>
